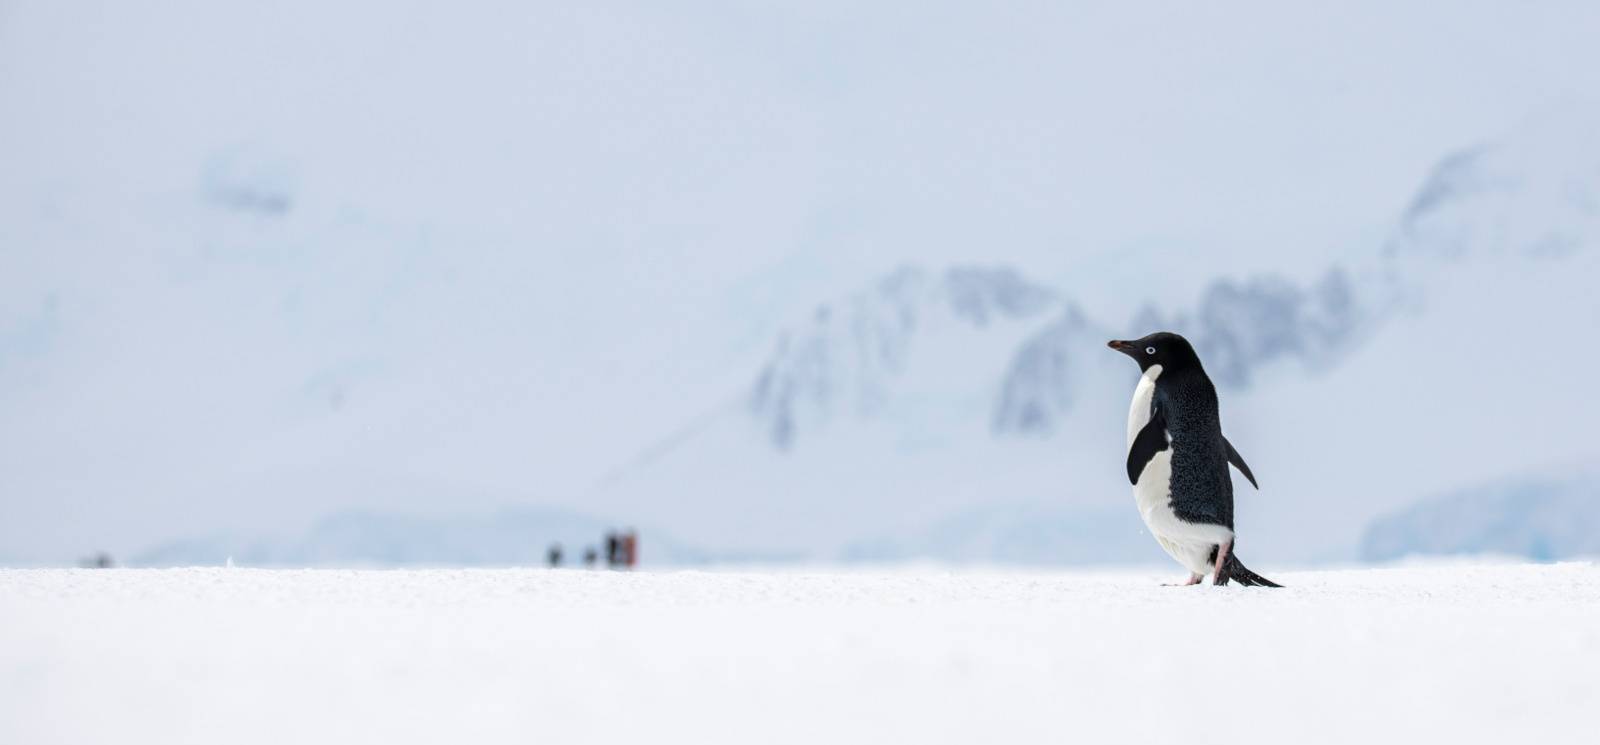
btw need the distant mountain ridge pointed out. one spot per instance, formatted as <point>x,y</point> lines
<point>1528,196</point>
<point>845,361</point>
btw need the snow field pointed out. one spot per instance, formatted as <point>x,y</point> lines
<point>1463,653</point>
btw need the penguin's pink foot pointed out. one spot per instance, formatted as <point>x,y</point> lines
<point>1222,559</point>
<point>1194,579</point>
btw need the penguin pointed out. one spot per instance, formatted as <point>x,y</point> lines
<point>1178,460</point>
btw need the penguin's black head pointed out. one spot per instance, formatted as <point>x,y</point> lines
<point>1164,348</point>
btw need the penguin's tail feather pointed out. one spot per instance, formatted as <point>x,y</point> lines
<point>1233,569</point>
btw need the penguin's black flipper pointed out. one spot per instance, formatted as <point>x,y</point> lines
<point>1238,462</point>
<point>1150,440</point>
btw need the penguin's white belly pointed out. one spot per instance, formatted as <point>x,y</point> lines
<point>1187,543</point>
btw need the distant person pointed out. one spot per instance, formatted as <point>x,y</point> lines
<point>554,555</point>
<point>613,549</point>
<point>590,555</point>
<point>630,548</point>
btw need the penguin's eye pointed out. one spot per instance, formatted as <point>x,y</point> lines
<point>1149,350</point>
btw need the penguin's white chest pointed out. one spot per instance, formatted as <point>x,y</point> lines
<point>1188,543</point>
<point>1154,488</point>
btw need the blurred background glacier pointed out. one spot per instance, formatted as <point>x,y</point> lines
<point>387,283</point>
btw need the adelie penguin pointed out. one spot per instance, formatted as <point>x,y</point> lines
<point>1178,460</point>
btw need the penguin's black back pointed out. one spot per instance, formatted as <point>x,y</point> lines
<point>1202,489</point>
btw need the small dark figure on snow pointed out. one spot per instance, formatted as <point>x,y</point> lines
<point>554,555</point>
<point>630,548</point>
<point>613,549</point>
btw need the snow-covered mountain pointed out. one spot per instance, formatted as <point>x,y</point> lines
<point>849,357</point>
<point>964,413</point>
<point>1237,326</point>
<point>1537,195</point>
<point>1541,516</point>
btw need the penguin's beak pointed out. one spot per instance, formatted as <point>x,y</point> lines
<point>1126,347</point>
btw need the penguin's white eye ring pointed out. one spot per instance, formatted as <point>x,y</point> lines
<point>1149,350</point>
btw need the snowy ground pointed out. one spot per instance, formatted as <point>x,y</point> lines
<point>1481,653</point>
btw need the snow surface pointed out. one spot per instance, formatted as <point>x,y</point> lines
<point>1443,653</point>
